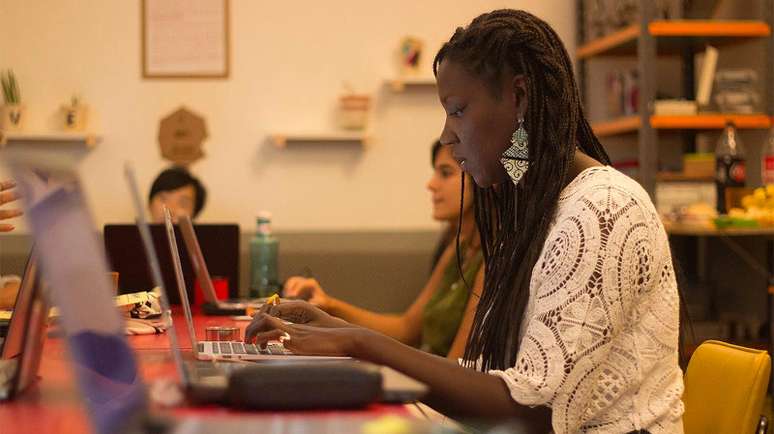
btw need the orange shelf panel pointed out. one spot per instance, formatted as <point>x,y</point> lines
<point>728,29</point>
<point>718,32</point>
<point>630,124</point>
<point>606,43</point>
<point>709,121</point>
<point>627,124</point>
<point>681,177</point>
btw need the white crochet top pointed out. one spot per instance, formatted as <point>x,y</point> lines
<point>600,331</point>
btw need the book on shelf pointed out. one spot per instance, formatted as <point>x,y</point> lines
<point>706,76</point>
<point>674,107</point>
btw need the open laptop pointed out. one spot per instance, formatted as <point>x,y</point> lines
<point>396,387</point>
<point>212,305</point>
<point>206,381</point>
<point>21,305</point>
<point>112,390</point>
<point>219,243</point>
<point>219,350</point>
<point>22,346</point>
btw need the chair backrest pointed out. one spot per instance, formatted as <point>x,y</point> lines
<point>725,387</point>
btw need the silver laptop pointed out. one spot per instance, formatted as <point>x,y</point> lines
<point>219,350</point>
<point>206,381</point>
<point>199,265</point>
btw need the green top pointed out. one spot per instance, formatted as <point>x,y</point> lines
<point>443,312</point>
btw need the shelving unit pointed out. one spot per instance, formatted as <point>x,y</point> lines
<point>645,42</point>
<point>401,84</point>
<point>648,39</point>
<point>87,140</point>
<point>282,140</point>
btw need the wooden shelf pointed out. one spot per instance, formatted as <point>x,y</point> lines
<point>88,140</point>
<point>671,36</point>
<point>281,140</point>
<point>708,121</point>
<point>400,84</point>
<point>621,42</point>
<point>711,231</point>
<point>622,125</point>
<point>680,177</point>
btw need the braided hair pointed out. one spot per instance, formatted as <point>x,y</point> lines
<point>494,47</point>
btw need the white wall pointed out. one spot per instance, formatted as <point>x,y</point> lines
<point>289,60</point>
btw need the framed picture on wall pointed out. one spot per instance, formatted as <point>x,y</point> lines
<point>185,38</point>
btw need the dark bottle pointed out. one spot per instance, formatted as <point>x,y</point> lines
<point>730,164</point>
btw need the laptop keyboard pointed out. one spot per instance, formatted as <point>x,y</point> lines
<point>239,348</point>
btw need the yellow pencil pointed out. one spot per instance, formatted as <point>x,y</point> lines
<point>273,300</point>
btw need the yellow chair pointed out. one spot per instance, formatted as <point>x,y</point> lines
<point>725,387</point>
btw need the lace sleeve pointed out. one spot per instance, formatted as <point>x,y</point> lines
<point>597,261</point>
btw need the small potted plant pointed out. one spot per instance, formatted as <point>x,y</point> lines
<point>75,114</point>
<point>353,109</point>
<point>12,113</point>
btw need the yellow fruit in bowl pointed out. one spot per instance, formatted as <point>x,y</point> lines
<point>759,197</point>
<point>748,201</point>
<point>770,190</point>
<point>737,212</point>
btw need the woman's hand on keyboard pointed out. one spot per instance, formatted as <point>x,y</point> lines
<point>301,312</point>
<point>304,339</point>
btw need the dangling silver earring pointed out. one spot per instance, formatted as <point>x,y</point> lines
<point>516,158</point>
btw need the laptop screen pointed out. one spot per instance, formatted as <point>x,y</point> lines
<point>219,242</point>
<point>104,364</point>
<point>14,340</point>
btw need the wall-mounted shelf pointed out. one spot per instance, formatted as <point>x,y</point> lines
<point>671,36</point>
<point>631,124</point>
<point>400,84</point>
<point>281,140</point>
<point>87,140</point>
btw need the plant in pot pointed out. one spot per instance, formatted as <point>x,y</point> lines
<point>12,113</point>
<point>353,109</point>
<point>75,114</point>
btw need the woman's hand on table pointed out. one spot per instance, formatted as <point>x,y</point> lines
<point>309,289</point>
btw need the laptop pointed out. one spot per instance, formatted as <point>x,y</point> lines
<point>220,350</point>
<point>21,348</point>
<point>205,380</point>
<point>219,242</point>
<point>106,371</point>
<point>212,305</point>
<point>396,387</point>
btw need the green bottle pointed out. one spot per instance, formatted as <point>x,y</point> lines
<point>263,259</point>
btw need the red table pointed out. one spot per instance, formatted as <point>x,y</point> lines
<point>52,405</point>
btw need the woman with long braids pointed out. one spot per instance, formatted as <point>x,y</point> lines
<point>577,327</point>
